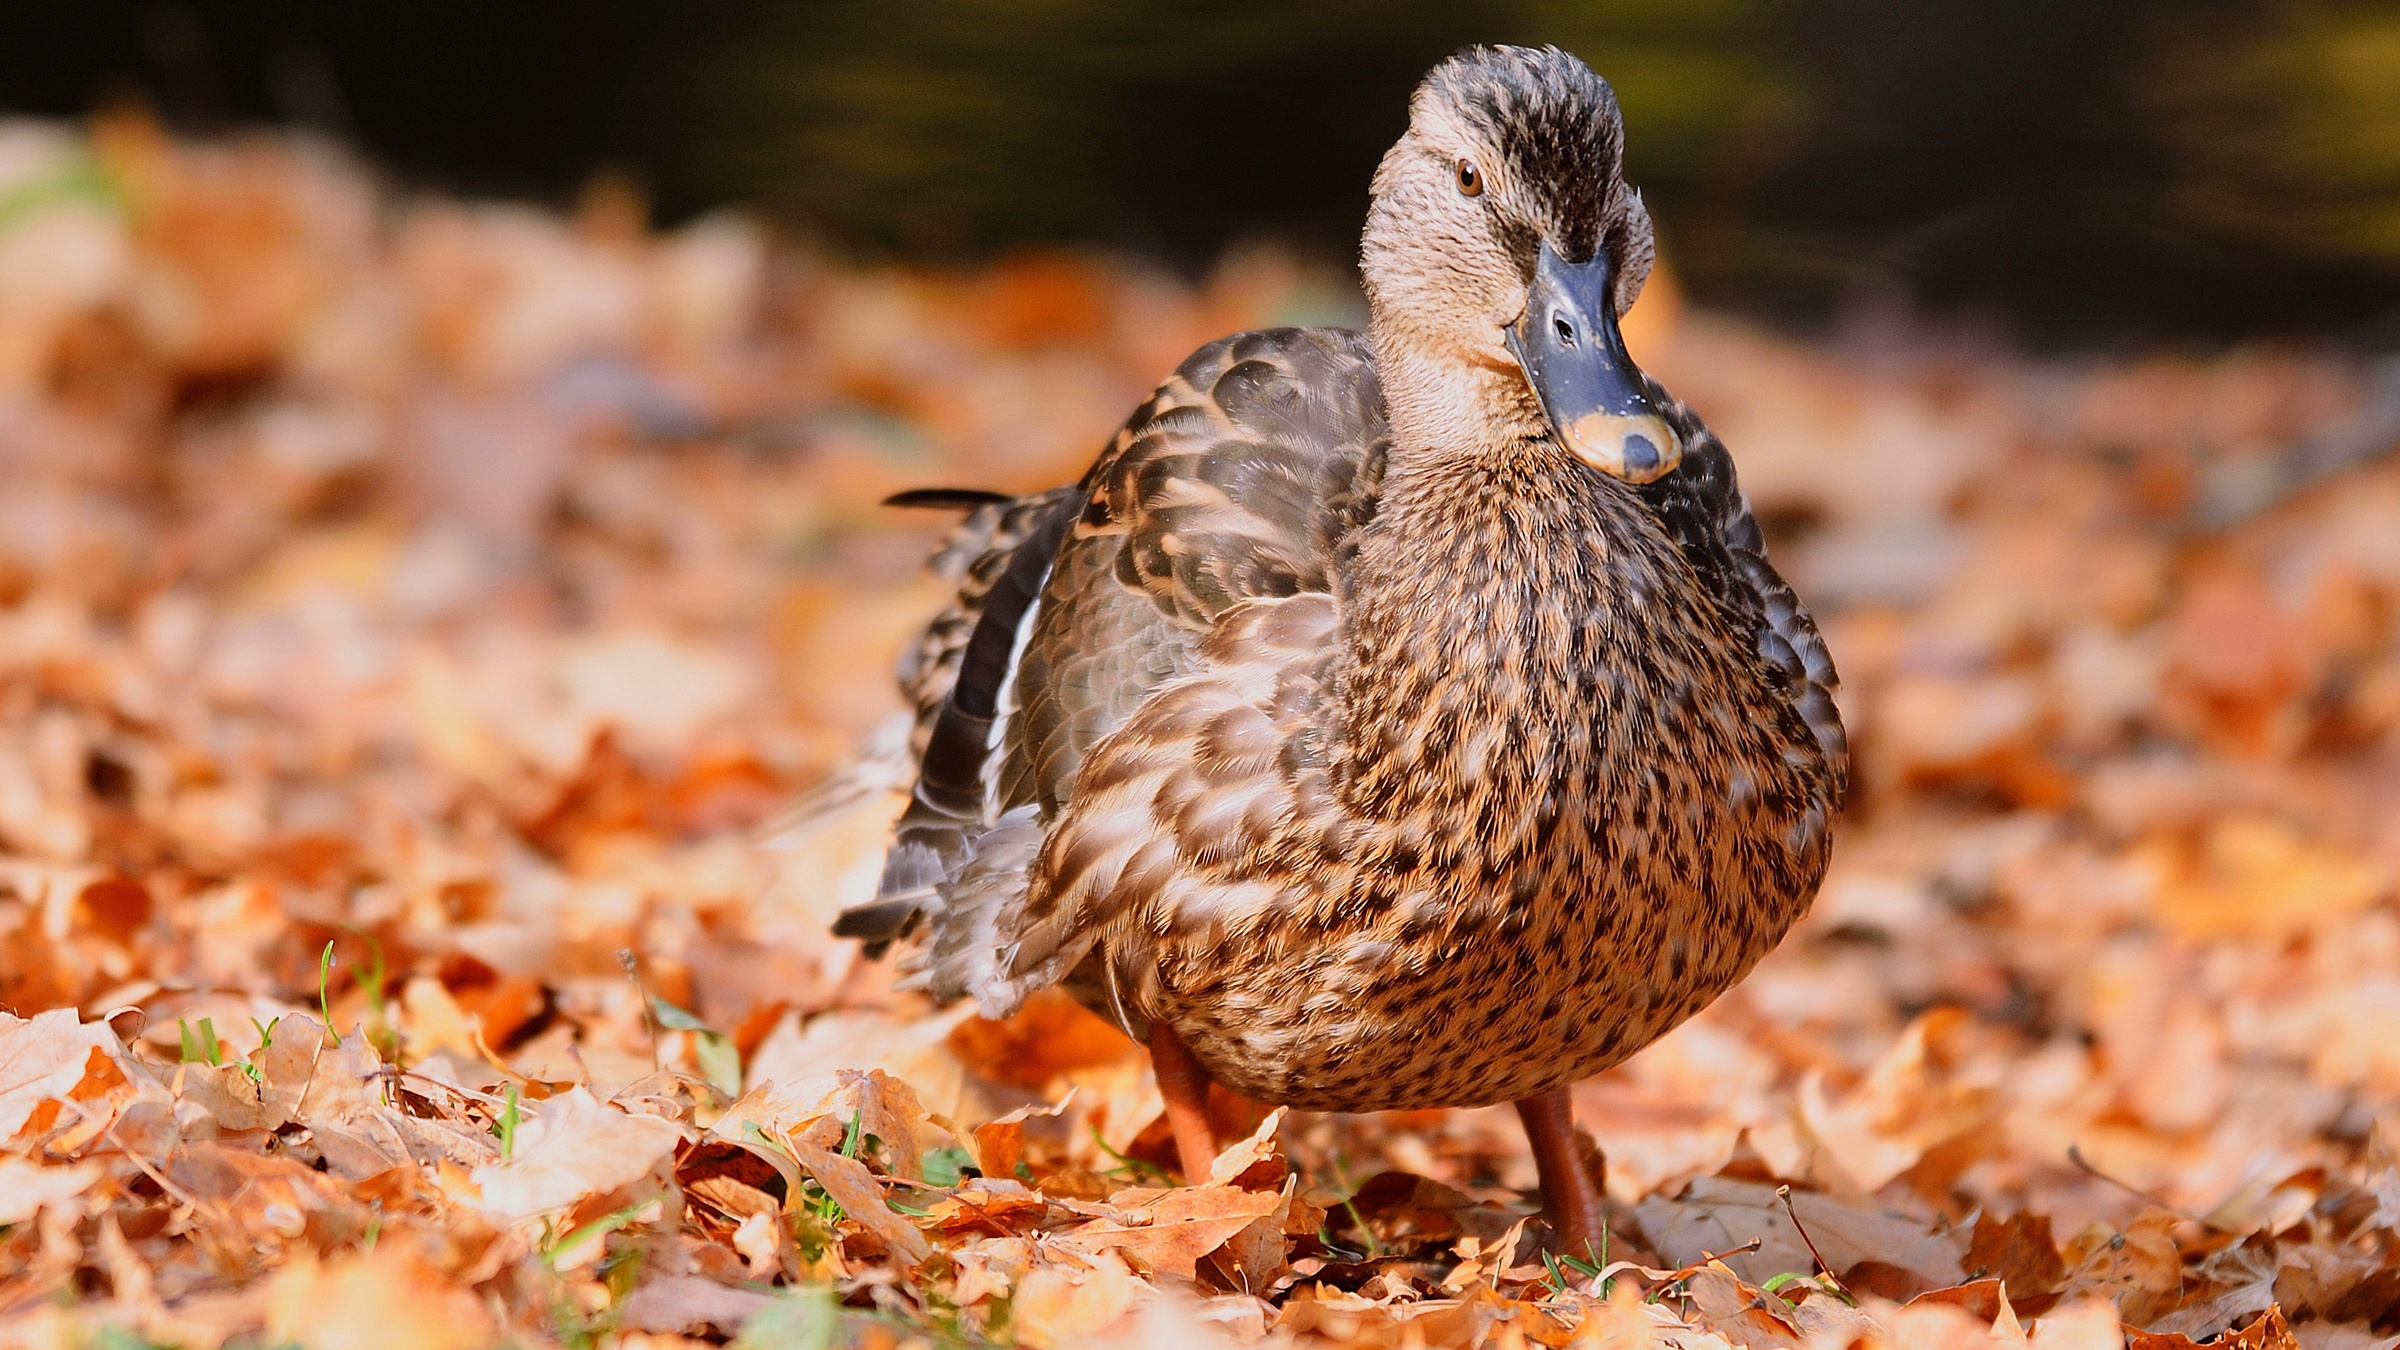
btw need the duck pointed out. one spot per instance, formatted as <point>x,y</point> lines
<point>1405,718</point>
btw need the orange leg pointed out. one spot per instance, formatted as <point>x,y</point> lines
<point>1184,1084</point>
<point>1570,1193</point>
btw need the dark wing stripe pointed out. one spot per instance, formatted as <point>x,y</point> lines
<point>985,668</point>
<point>946,808</point>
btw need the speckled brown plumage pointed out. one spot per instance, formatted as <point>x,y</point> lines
<point>1368,731</point>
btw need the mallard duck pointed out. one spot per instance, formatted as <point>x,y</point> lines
<point>1399,719</point>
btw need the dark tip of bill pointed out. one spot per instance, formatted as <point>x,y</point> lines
<point>1640,455</point>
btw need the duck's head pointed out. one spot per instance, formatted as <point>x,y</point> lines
<point>1502,244</point>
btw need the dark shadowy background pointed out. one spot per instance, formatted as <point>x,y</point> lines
<point>2079,171</point>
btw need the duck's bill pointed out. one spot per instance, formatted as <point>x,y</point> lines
<point>1589,387</point>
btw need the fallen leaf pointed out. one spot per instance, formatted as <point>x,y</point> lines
<point>1716,1214</point>
<point>573,1146</point>
<point>1182,1226</point>
<point>2087,1325</point>
<point>50,1058</point>
<point>1900,1110</point>
<point>1000,1143</point>
<point>803,1062</point>
<point>2268,1332</point>
<point>263,1092</point>
<point>2019,1252</point>
<point>2139,1270</point>
<point>992,1205</point>
<point>854,1188</point>
<point>1740,1313</point>
<point>1042,1043</point>
<point>1256,1162</point>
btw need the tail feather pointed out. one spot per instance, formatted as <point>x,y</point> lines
<point>978,912</point>
<point>881,922</point>
<point>946,499</point>
<point>949,861</point>
<point>946,811</point>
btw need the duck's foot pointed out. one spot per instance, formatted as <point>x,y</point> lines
<point>1184,1085</point>
<point>1571,1183</point>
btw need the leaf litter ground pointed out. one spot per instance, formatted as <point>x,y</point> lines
<point>414,614</point>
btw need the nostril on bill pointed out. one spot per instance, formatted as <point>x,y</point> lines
<point>1566,331</point>
<point>1641,455</point>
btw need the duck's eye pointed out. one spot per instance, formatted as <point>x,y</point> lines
<point>1470,181</point>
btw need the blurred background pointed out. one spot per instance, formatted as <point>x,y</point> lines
<point>2061,171</point>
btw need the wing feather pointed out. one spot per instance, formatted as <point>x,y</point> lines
<point>1703,507</point>
<point>1239,479</point>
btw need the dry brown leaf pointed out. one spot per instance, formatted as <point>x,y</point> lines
<point>1256,1162</point>
<point>574,1146</point>
<point>1717,1214</point>
<point>1483,1262</point>
<point>1000,1143</point>
<point>1172,1232</point>
<point>855,1189</point>
<point>804,1063</point>
<point>1826,1321</point>
<point>1255,1260</point>
<point>1622,1321</point>
<point>886,1108</point>
<point>1985,1300</point>
<point>1935,1326</point>
<point>262,1093</point>
<point>2253,876</point>
<point>2019,1252</point>
<point>1047,1040</point>
<point>997,1206</point>
<point>1740,1313</point>
<point>52,1059</point>
<point>2139,1270</point>
<point>2268,1332</point>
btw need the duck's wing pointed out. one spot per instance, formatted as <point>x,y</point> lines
<point>1702,506</point>
<point>1241,478</point>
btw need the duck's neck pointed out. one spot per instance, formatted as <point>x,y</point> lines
<point>1444,407</point>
